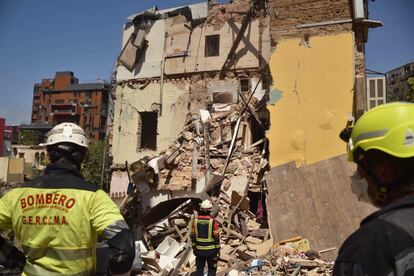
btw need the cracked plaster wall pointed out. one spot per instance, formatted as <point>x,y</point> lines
<point>247,53</point>
<point>130,101</point>
<point>148,64</point>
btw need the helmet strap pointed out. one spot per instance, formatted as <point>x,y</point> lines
<point>393,190</point>
<point>381,193</point>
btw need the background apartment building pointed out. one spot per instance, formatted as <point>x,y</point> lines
<point>64,99</point>
<point>397,82</point>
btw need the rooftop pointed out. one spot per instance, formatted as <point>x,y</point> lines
<point>81,87</point>
<point>36,127</point>
<point>198,11</point>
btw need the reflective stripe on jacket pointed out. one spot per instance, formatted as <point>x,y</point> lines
<point>57,218</point>
<point>205,232</point>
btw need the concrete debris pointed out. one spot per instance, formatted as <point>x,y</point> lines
<point>278,262</point>
<point>250,253</point>
<point>246,245</point>
<point>215,157</point>
<point>232,155</point>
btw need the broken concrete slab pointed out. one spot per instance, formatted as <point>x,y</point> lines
<point>253,240</point>
<point>252,246</point>
<point>180,222</point>
<point>264,248</point>
<point>244,255</point>
<point>238,184</point>
<point>205,115</point>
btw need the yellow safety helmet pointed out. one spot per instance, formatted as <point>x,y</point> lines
<point>388,128</point>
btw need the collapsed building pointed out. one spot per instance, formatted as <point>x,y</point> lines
<point>241,103</point>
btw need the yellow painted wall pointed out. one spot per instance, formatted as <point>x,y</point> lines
<point>315,82</point>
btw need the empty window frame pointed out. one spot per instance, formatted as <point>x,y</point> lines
<point>244,85</point>
<point>149,124</point>
<point>212,47</point>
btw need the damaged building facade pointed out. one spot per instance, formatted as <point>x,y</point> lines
<point>174,63</point>
<point>271,83</point>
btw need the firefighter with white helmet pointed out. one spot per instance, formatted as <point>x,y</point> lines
<point>58,217</point>
<point>206,239</point>
<point>382,145</point>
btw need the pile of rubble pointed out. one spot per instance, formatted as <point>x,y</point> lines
<point>215,157</point>
<point>246,245</point>
<point>218,142</point>
<point>252,254</point>
<point>290,257</point>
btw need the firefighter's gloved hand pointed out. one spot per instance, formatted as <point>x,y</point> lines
<point>123,252</point>
<point>15,259</point>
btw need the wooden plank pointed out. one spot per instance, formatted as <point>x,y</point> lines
<point>207,152</point>
<point>236,221</point>
<point>181,261</point>
<point>190,225</point>
<point>314,201</point>
<point>179,232</point>
<point>243,225</point>
<point>194,168</point>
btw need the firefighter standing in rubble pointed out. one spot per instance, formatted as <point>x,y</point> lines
<point>206,240</point>
<point>58,216</point>
<point>382,145</point>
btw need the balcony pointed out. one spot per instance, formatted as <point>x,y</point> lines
<point>71,109</point>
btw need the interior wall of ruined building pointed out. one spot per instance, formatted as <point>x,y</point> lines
<point>181,39</point>
<point>148,64</point>
<point>313,94</point>
<point>131,100</point>
<point>185,48</point>
<point>286,16</point>
<point>315,71</point>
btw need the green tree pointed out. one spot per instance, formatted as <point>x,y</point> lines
<point>28,137</point>
<point>410,95</point>
<point>92,164</point>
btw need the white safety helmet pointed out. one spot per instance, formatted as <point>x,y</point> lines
<point>66,133</point>
<point>206,205</point>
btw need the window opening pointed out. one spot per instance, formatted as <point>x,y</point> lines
<point>244,85</point>
<point>212,47</point>
<point>149,122</point>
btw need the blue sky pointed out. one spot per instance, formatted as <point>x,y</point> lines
<point>38,38</point>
